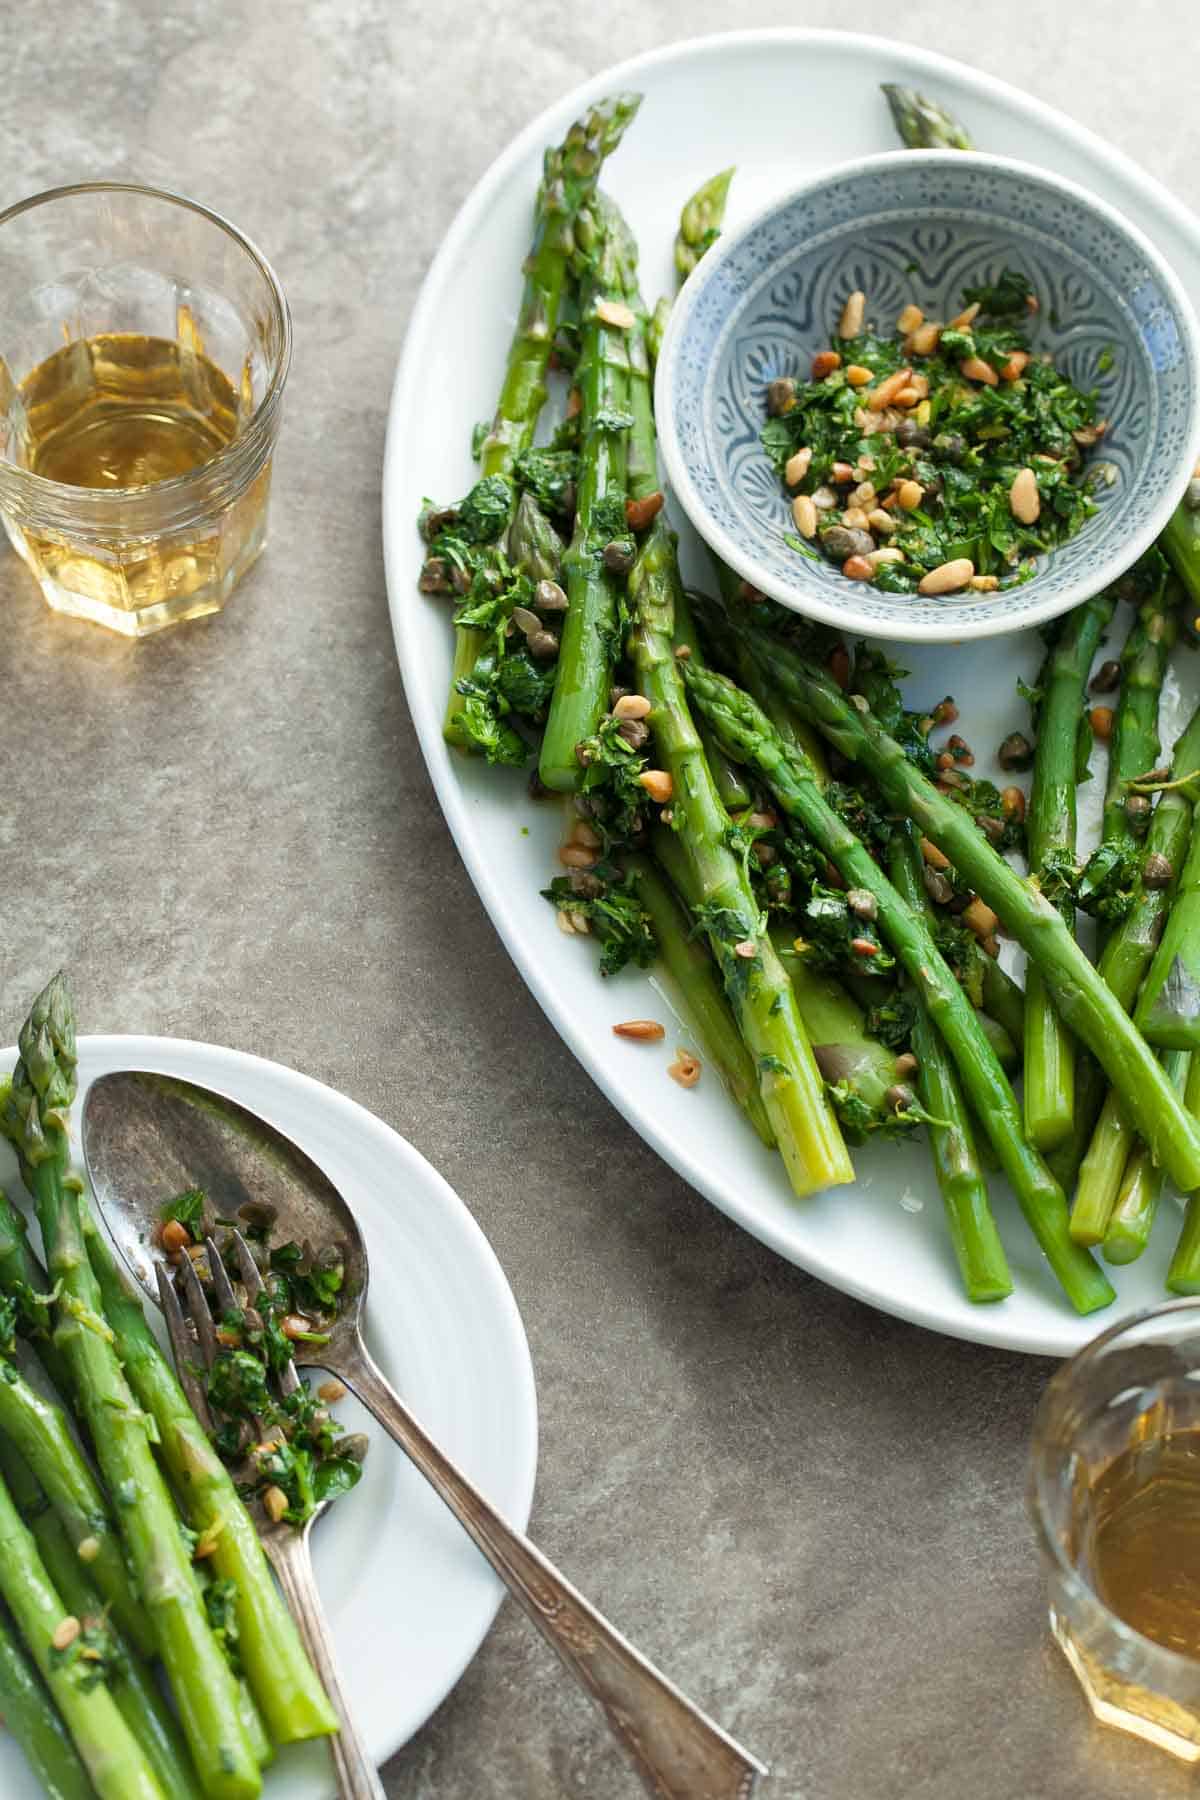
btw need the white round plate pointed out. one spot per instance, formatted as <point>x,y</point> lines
<point>408,1597</point>
<point>781,105</point>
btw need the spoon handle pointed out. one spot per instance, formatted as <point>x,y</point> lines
<point>679,1754</point>
<point>291,1558</point>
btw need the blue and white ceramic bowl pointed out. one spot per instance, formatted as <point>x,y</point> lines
<point>920,226</point>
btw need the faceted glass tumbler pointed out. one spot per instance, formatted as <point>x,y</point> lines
<point>77,263</point>
<point>1127,1390</point>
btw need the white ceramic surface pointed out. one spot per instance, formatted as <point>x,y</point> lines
<point>408,1597</point>
<point>781,105</point>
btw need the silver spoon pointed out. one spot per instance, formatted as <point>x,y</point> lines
<point>148,1136</point>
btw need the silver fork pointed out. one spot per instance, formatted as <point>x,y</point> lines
<point>288,1549</point>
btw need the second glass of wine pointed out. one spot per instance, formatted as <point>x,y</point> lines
<point>144,348</point>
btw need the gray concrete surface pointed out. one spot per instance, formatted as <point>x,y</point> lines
<point>810,1514</point>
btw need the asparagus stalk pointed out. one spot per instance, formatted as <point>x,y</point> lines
<point>588,644</point>
<point>1003,1000</point>
<point>960,1178</point>
<point>700,222</point>
<point>923,124</point>
<point>758,989</point>
<point>1135,746</point>
<point>280,1676</point>
<point>30,1716</point>
<point>115,1762</point>
<point>24,1279</point>
<point>1086,1004</point>
<point>728,777</point>
<point>745,730</point>
<point>695,976</point>
<point>43,1088</point>
<point>1101,1172</point>
<point>1141,1185</point>
<point>568,182</point>
<point>1050,830</point>
<point>137,1694</point>
<point>39,1430</point>
<point>1168,1007</point>
<point>1123,964</point>
<point>1181,541</point>
<point>1183,1276</point>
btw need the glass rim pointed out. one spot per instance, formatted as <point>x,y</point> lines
<point>173,485</point>
<point>1048,1540</point>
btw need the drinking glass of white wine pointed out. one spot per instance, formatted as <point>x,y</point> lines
<point>1115,1496</point>
<point>144,347</point>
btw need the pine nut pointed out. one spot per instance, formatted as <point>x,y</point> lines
<point>685,1069</point>
<point>864,496</point>
<point>331,1392</point>
<point>947,577</point>
<point>65,1632</point>
<point>908,396</point>
<point>990,947</point>
<point>643,1031</point>
<point>858,377</point>
<point>88,1549</point>
<point>920,386</point>
<point>887,390</point>
<point>275,1503</point>
<point>175,1237</point>
<point>910,495</point>
<point>855,517</point>
<point>923,413</point>
<point>762,821</point>
<point>615,313</point>
<point>824,363</point>
<point>865,464</point>
<point>1012,800</point>
<point>909,319</point>
<point>747,949</point>
<point>887,555</point>
<point>658,785</point>
<point>579,924</point>
<point>632,706</point>
<point>796,467</point>
<point>853,314</point>
<point>985,584</point>
<point>925,338</point>
<point>1023,497</point>
<point>862,946</point>
<point>586,834</point>
<point>975,369</point>
<point>966,318</point>
<point>979,918</point>
<point>823,498</point>
<point>1101,719</point>
<point>857,568</point>
<point>564,924</point>
<point>804,512</point>
<point>1016,365</point>
<point>881,522</point>
<point>841,472</point>
<point>640,513</point>
<point>574,856</point>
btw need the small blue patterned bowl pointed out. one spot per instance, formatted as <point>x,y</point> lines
<point>920,226</point>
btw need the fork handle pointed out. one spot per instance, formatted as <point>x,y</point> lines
<point>679,1754</point>
<point>291,1558</point>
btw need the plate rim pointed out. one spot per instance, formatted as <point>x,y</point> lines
<point>524,1423</point>
<point>426,708</point>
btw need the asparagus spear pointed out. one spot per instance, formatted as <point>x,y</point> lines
<point>1181,541</point>
<point>700,222</point>
<point>960,1178</point>
<point>30,1716</point>
<point>24,1279</point>
<point>1168,1007</point>
<point>728,777</point>
<point>1135,746</point>
<point>745,730</point>
<point>757,986</point>
<point>118,1767</point>
<point>41,1434</point>
<point>277,1669</point>
<point>137,1694</point>
<point>1050,829</point>
<point>1087,1006</point>
<point>568,181</point>
<point>43,1087</point>
<point>1003,1000</point>
<point>1183,1276</point>
<point>1141,1186</point>
<point>600,545</point>
<point>694,974</point>
<point>923,124</point>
